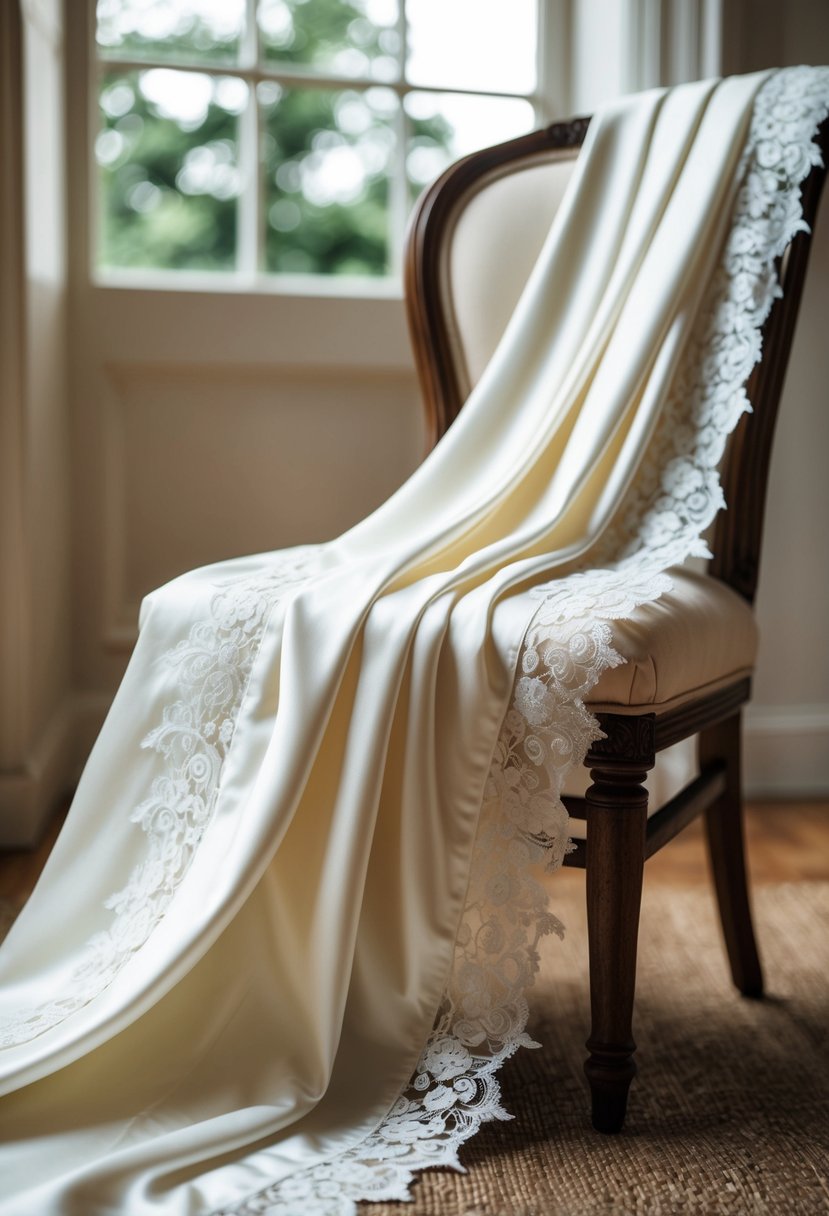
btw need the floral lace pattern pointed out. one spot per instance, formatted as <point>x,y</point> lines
<point>566,650</point>
<point>211,667</point>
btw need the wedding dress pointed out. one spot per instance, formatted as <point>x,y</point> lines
<point>283,944</point>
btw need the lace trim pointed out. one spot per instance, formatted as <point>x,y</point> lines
<point>566,650</point>
<point>212,668</point>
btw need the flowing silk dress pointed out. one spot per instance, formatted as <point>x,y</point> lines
<point>283,943</point>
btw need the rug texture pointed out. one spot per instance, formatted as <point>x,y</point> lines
<point>729,1113</point>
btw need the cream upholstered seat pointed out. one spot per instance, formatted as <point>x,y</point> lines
<point>474,238</point>
<point>695,639</point>
<point>687,642</point>
<point>692,641</point>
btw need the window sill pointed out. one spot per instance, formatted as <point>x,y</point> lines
<point>220,319</point>
<point>286,286</point>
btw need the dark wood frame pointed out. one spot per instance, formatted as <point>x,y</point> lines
<point>620,837</point>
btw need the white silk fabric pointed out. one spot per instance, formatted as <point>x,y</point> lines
<point>253,976</point>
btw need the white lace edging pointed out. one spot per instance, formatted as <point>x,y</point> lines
<point>567,649</point>
<point>212,668</point>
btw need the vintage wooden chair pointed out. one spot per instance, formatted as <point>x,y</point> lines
<point>473,239</point>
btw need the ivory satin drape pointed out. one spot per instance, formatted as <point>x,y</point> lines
<point>233,960</point>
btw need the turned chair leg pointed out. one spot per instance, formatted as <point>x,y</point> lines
<point>724,829</point>
<point>616,808</point>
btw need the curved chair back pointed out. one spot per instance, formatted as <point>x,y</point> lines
<point>473,239</point>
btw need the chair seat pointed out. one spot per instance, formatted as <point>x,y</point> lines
<point>690,641</point>
<point>697,636</point>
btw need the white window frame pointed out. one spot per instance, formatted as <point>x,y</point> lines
<point>250,273</point>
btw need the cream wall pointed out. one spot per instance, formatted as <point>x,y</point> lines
<point>787,728</point>
<point>210,425</point>
<point>209,421</point>
<point>46,453</point>
<point>35,704</point>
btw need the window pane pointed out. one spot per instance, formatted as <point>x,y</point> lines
<point>195,30</point>
<point>445,126</point>
<point>327,155</point>
<point>341,37</point>
<point>167,152</point>
<point>473,44</point>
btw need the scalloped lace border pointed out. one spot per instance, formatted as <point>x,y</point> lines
<point>567,648</point>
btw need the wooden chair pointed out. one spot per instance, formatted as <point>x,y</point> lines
<point>472,241</point>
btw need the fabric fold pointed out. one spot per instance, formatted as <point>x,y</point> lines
<point>296,910</point>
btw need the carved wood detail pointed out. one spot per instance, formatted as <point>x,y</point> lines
<point>630,741</point>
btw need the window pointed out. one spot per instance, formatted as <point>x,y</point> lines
<point>292,136</point>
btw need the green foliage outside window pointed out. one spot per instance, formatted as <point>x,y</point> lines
<point>148,220</point>
<point>168,148</point>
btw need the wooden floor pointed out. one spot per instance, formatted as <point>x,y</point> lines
<point>787,842</point>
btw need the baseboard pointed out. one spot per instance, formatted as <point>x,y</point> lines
<point>29,795</point>
<point>787,751</point>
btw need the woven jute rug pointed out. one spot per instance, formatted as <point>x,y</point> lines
<point>729,1111</point>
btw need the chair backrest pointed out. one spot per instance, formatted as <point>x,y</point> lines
<point>473,239</point>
